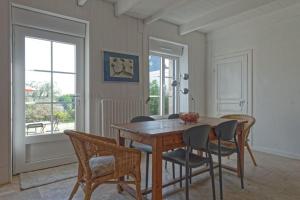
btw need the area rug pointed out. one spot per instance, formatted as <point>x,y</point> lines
<point>47,176</point>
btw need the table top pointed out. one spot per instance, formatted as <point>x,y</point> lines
<point>168,126</point>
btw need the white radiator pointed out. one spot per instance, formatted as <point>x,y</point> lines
<point>114,111</point>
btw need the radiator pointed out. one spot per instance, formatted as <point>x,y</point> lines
<point>114,111</point>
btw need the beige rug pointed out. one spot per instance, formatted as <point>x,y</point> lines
<point>47,176</point>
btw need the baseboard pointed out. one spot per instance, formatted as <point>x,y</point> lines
<point>276,152</point>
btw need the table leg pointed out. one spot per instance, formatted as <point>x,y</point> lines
<point>157,169</point>
<point>120,142</point>
<point>241,143</point>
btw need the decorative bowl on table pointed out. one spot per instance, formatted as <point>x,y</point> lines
<point>190,117</point>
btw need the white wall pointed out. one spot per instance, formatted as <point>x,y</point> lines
<point>123,34</point>
<point>275,40</point>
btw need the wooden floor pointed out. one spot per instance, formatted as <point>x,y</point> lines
<point>275,178</point>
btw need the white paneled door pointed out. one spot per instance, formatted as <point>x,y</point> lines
<point>48,91</point>
<point>233,83</point>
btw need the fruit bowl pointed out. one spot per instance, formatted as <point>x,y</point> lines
<point>190,117</point>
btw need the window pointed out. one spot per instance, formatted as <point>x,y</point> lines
<point>162,96</point>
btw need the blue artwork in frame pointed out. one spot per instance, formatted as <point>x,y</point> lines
<point>121,67</point>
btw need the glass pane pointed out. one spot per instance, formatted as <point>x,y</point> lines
<point>169,109</point>
<point>64,114</point>
<point>37,87</point>
<point>154,84</point>
<point>169,67</point>
<point>63,85</point>
<point>64,57</point>
<point>37,119</point>
<point>154,106</point>
<point>168,97</point>
<point>37,54</point>
<point>64,108</point>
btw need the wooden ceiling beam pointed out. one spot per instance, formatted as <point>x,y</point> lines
<point>230,12</point>
<point>123,6</point>
<point>162,12</point>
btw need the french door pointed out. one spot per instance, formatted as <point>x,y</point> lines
<point>163,98</point>
<point>48,97</point>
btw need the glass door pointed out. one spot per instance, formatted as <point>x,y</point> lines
<point>48,86</point>
<point>163,99</point>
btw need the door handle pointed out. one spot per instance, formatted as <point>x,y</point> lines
<point>77,99</point>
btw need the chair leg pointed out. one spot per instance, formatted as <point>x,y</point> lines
<point>166,164</point>
<point>147,169</point>
<point>180,171</point>
<point>187,182</point>
<point>119,188</point>
<point>138,190</point>
<point>88,192</point>
<point>220,176</point>
<point>190,174</point>
<point>212,175</point>
<point>75,188</point>
<point>251,154</point>
<point>240,165</point>
<point>173,169</point>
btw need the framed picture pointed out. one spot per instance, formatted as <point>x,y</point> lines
<point>121,67</point>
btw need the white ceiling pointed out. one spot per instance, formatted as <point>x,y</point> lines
<point>201,15</point>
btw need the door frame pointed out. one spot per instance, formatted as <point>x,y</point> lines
<point>249,54</point>
<point>86,75</point>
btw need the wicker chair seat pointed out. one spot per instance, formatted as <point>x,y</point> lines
<point>101,166</point>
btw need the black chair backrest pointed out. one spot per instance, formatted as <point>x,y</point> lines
<point>141,119</point>
<point>173,116</point>
<point>197,137</point>
<point>226,130</point>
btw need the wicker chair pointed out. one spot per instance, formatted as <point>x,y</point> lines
<point>101,160</point>
<point>250,122</point>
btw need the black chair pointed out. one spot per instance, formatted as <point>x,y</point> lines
<point>226,132</point>
<point>194,138</point>
<point>143,147</point>
<point>173,116</point>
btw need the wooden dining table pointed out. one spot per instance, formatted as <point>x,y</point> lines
<point>164,135</point>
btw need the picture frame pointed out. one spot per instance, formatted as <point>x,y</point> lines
<point>120,67</point>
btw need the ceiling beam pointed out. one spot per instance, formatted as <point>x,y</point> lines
<point>228,11</point>
<point>81,2</point>
<point>123,6</point>
<point>162,12</point>
<point>260,11</point>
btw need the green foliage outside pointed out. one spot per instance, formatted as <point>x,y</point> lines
<point>63,110</point>
<point>154,98</point>
<point>154,103</point>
